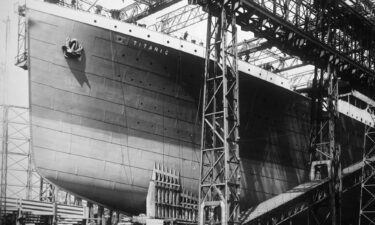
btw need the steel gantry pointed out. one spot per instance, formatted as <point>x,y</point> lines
<point>220,163</point>
<point>4,165</point>
<point>179,19</point>
<point>367,201</point>
<point>336,39</point>
<point>296,27</point>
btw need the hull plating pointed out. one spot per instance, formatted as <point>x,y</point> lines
<point>100,124</point>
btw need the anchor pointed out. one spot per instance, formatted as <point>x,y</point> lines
<point>72,48</point>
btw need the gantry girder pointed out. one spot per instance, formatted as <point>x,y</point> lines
<point>287,63</point>
<point>292,26</point>
<point>260,52</point>
<point>253,45</point>
<point>365,7</point>
<point>141,9</point>
<point>219,195</point>
<point>179,19</point>
<point>137,10</point>
<point>133,11</point>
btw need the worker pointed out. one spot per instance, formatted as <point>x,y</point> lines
<point>211,215</point>
<point>186,34</point>
<point>318,175</point>
<point>115,14</point>
<point>98,9</point>
<point>73,3</point>
<point>20,220</point>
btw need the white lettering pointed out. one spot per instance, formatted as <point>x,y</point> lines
<point>143,45</point>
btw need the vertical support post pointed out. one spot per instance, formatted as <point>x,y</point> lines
<point>334,149</point>
<point>29,182</point>
<point>54,198</point>
<point>110,218</point>
<point>117,217</point>
<point>220,163</point>
<point>315,109</point>
<point>367,198</point>
<point>325,152</point>
<point>100,215</point>
<point>90,207</point>
<point>41,189</point>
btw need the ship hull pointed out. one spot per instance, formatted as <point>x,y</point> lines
<point>101,123</point>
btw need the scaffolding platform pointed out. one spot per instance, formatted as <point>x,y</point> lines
<point>34,210</point>
<point>287,205</point>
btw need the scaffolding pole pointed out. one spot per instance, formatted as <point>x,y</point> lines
<point>4,165</point>
<point>220,163</point>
